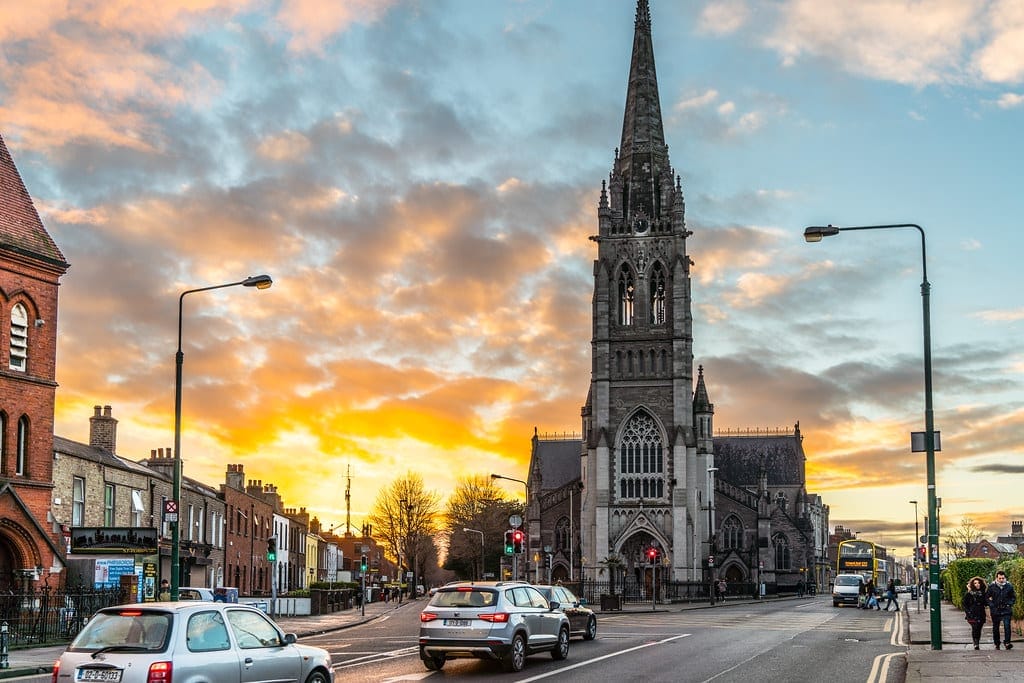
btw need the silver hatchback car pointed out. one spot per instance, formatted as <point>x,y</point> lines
<point>193,641</point>
<point>504,621</point>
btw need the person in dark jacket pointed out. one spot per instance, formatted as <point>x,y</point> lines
<point>1001,598</point>
<point>974,607</point>
<point>890,595</point>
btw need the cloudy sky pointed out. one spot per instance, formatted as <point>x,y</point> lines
<point>420,178</point>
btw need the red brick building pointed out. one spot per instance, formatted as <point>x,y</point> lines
<point>30,269</point>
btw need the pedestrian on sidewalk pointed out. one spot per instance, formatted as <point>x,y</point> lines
<point>1001,598</point>
<point>890,595</point>
<point>974,608</point>
<point>723,588</point>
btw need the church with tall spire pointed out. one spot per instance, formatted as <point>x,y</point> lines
<point>649,479</point>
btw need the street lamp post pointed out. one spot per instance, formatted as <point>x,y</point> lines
<point>526,505</point>
<point>917,556</point>
<point>815,234</point>
<point>711,533</point>
<point>477,531</point>
<point>259,282</point>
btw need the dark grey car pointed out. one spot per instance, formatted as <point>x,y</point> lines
<point>582,620</point>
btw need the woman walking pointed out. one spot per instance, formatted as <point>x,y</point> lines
<point>974,607</point>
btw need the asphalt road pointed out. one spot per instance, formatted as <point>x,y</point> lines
<point>792,640</point>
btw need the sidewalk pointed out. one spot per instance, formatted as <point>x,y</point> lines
<point>39,660</point>
<point>957,660</point>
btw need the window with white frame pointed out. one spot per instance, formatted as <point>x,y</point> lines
<point>191,522</point>
<point>137,508</point>
<point>19,338</point>
<point>21,447</point>
<point>641,459</point>
<point>78,501</point>
<point>108,505</point>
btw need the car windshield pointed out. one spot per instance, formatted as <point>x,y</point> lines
<point>130,628</point>
<point>847,580</point>
<point>463,597</point>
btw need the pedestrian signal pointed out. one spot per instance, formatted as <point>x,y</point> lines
<point>272,549</point>
<point>509,546</point>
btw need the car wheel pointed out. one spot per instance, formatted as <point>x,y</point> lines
<point>317,677</point>
<point>591,631</point>
<point>561,650</point>
<point>434,663</point>
<point>515,659</point>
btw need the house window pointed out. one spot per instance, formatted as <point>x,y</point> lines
<point>3,440</point>
<point>137,508</point>
<point>78,502</point>
<point>191,522</point>
<point>19,338</point>
<point>732,534</point>
<point>641,459</point>
<point>657,295</point>
<point>21,446</point>
<point>108,505</point>
<point>627,292</point>
<point>781,545</point>
<point>562,542</point>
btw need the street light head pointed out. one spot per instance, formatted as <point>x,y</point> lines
<point>913,502</point>
<point>815,233</point>
<point>258,281</point>
<point>496,476</point>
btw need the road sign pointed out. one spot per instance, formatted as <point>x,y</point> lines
<point>170,511</point>
<point>515,521</point>
<point>711,560</point>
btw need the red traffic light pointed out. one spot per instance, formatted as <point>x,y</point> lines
<point>517,535</point>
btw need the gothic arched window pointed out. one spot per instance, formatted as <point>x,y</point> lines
<point>657,292</point>
<point>781,545</point>
<point>19,338</point>
<point>641,459</point>
<point>627,293</point>
<point>732,533</point>
<point>562,534</point>
<point>21,446</point>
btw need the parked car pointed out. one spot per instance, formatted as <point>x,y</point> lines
<point>195,594</point>
<point>847,588</point>
<point>498,620</point>
<point>188,641</point>
<point>582,620</point>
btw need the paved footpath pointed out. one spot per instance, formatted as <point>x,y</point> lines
<point>956,661</point>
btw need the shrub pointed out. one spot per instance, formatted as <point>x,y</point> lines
<point>960,571</point>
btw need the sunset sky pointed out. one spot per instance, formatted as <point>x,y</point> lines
<point>420,178</point>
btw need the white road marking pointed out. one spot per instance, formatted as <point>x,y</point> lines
<point>603,657</point>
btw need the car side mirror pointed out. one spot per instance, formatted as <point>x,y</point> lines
<point>290,638</point>
<point>554,605</point>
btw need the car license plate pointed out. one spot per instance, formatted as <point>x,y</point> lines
<point>457,622</point>
<point>99,675</point>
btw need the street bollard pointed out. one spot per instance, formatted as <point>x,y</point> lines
<point>4,664</point>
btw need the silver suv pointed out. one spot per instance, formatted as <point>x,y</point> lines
<point>503,620</point>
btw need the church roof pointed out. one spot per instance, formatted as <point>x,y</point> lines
<point>559,462</point>
<point>740,459</point>
<point>21,230</point>
<point>642,129</point>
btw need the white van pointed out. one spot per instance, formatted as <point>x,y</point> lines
<point>847,588</point>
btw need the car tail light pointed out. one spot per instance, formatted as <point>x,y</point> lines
<point>159,672</point>
<point>494,617</point>
<point>56,670</point>
<point>427,616</point>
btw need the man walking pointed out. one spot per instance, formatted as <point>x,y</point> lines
<point>1001,598</point>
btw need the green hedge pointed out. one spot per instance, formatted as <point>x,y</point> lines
<point>959,572</point>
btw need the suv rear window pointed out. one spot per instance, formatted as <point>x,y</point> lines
<point>474,597</point>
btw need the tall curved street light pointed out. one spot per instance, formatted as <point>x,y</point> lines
<point>815,234</point>
<point>259,282</point>
<point>477,531</point>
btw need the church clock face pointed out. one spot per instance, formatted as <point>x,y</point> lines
<point>640,225</point>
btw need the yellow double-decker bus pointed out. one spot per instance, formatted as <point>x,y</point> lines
<point>861,557</point>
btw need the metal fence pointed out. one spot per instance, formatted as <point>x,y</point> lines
<point>50,616</point>
<point>636,592</point>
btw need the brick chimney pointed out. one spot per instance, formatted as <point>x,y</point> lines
<point>103,430</point>
<point>1017,528</point>
<point>235,478</point>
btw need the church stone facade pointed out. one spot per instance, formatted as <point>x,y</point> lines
<point>652,475</point>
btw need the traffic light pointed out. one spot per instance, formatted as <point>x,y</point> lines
<point>923,553</point>
<point>652,555</point>
<point>272,549</point>
<point>509,549</point>
<point>362,563</point>
<point>518,538</point>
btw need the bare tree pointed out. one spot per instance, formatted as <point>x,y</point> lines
<point>476,503</point>
<point>404,519</point>
<point>958,540</point>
